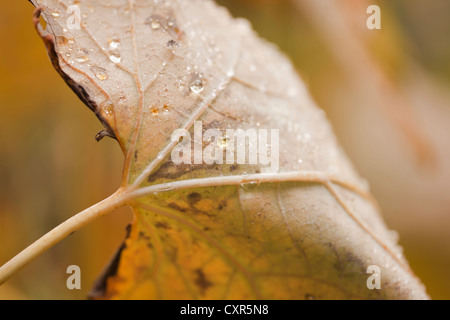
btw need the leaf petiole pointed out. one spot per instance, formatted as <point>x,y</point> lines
<point>60,232</point>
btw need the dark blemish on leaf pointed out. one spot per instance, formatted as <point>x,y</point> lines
<point>141,235</point>
<point>222,204</point>
<point>169,170</point>
<point>172,43</point>
<point>193,198</point>
<point>146,238</point>
<point>174,206</point>
<point>162,225</point>
<point>201,281</point>
<point>233,167</point>
<point>353,263</point>
<point>135,155</point>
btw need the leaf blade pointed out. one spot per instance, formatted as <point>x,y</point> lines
<point>325,240</point>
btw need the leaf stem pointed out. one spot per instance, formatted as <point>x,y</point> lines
<point>123,195</point>
<point>60,232</point>
<point>300,176</point>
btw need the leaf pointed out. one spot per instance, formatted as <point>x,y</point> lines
<point>308,230</point>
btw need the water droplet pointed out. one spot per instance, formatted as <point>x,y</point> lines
<point>155,23</point>
<point>197,86</point>
<point>108,107</point>
<point>300,161</point>
<point>223,142</point>
<point>82,55</point>
<point>249,185</point>
<point>82,59</point>
<point>101,75</point>
<point>166,108</point>
<point>171,22</point>
<point>55,13</point>
<point>114,43</point>
<point>166,187</point>
<point>115,57</point>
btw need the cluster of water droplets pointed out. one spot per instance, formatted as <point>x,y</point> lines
<point>114,45</point>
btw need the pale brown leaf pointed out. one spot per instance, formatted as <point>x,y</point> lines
<point>309,230</point>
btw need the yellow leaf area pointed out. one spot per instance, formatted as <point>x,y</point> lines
<point>232,242</point>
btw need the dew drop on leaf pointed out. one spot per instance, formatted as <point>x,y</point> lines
<point>154,22</point>
<point>108,107</point>
<point>82,59</point>
<point>197,86</point>
<point>115,57</point>
<point>101,75</point>
<point>114,43</point>
<point>223,142</point>
<point>249,185</point>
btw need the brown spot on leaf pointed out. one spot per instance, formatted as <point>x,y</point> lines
<point>222,204</point>
<point>174,206</point>
<point>194,198</point>
<point>162,225</point>
<point>201,281</point>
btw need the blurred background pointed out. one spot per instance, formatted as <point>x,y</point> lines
<point>386,93</point>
